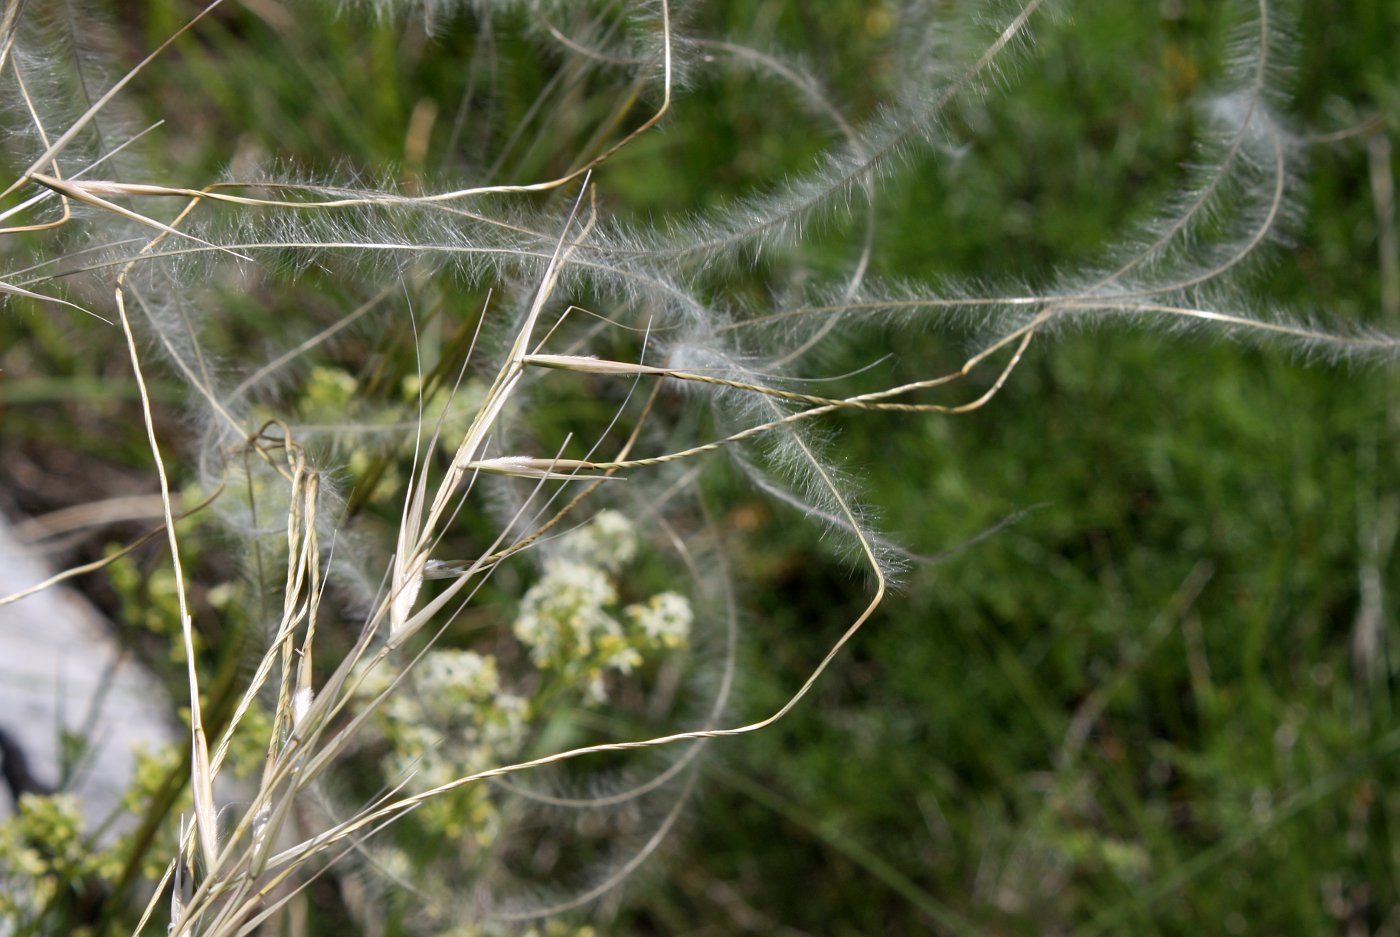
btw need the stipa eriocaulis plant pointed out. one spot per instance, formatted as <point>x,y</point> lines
<point>518,301</point>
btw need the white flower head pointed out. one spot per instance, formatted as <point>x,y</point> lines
<point>564,614</point>
<point>664,619</point>
<point>609,541</point>
<point>459,675</point>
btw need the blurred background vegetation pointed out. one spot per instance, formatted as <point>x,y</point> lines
<point>1161,700</point>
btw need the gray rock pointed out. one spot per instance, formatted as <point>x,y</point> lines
<point>61,670</point>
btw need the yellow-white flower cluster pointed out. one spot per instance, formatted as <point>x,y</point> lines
<point>664,619</point>
<point>564,616</point>
<point>570,619</point>
<point>456,720</point>
<point>608,541</point>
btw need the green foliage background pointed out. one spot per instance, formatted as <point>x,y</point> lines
<point>1138,709</point>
